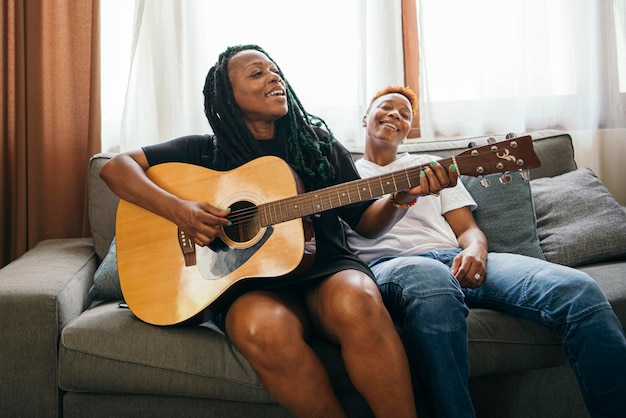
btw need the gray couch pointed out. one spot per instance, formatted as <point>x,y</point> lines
<point>63,354</point>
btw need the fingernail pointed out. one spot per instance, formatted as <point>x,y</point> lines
<point>422,174</point>
<point>229,223</point>
<point>433,163</point>
<point>453,168</point>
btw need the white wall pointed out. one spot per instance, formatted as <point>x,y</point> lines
<point>604,151</point>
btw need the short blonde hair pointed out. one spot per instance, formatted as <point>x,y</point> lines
<point>405,91</point>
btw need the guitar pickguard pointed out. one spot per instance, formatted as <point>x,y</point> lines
<point>217,261</point>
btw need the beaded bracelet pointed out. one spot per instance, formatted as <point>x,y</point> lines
<point>401,205</point>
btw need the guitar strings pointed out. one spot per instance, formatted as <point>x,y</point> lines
<point>284,209</point>
<point>300,204</point>
<point>297,203</point>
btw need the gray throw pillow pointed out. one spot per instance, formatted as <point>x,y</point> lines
<point>578,220</point>
<point>505,213</point>
<point>106,280</point>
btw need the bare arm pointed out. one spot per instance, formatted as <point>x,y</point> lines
<point>125,174</point>
<point>472,260</point>
<point>382,215</point>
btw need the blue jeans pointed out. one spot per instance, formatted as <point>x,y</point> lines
<point>422,294</point>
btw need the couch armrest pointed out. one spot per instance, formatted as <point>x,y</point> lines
<point>40,293</point>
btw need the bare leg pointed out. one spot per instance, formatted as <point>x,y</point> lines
<point>347,308</point>
<point>270,330</point>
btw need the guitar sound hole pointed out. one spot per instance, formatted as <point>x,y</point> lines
<point>245,222</point>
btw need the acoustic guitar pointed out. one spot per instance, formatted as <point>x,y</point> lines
<point>166,279</point>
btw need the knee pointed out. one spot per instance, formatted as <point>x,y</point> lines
<point>576,292</point>
<point>259,329</point>
<point>419,276</point>
<point>356,303</point>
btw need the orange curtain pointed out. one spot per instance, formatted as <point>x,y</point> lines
<point>50,119</point>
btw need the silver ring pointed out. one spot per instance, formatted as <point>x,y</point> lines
<point>476,276</point>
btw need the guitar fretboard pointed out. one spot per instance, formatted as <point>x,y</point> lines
<point>340,195</point>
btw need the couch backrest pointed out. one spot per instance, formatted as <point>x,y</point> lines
<point>102,205</point>
<point>553,147</point>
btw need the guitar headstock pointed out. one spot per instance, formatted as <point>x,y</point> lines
<point>498,157</point>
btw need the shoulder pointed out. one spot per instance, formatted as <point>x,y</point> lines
<point>193,149</point>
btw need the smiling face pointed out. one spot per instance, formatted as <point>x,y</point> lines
<point>388,119</point>
<point>259,91</point>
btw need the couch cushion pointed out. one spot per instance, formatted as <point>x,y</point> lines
<point>579,222</point>
<point>108,350</point>
<point>505,213</point>
<point>106,280</point>
<point>611,276</point>
<point>501,343</point>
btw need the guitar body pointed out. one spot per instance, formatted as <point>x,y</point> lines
<point>167,280</point>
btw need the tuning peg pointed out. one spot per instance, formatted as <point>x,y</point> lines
<point>485,182</point>
<point>525,173</point>
<point>491,140</point>
<point>505,178</point>
<point>471,144</point>
<point>511,135</point>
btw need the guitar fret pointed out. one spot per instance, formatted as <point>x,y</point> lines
<point>395,186</point>
<point>308,206</point>
<point>318,203</point>
<point>382,187</point>
<point>272,212</point>
<point>408,179</point>
<point>346,193</point>
<point>288,209</point>
<point>368,188</point>
<point>263,215</point>
<point>295,206</point>
<point>278,212</point>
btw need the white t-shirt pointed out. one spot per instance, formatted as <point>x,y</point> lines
<point>423,228</point>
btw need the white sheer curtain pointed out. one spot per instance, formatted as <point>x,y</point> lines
<point>335,54</point>
<point>492,66</point>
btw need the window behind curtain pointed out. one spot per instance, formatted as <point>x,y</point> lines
<point>492,66</point>
<point>335,54</point>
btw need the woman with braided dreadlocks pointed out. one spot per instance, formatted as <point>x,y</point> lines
<point>254,112</point>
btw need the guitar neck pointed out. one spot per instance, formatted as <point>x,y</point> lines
<point>341,195</point>
<point>510,154</point>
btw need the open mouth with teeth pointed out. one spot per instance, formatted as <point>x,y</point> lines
<point>275,93</point>
<point>389,125</point>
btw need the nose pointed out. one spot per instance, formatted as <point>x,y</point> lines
<point>394,113</point>
<point>275,78</point>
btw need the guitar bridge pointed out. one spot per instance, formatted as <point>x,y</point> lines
<point>187,247</point>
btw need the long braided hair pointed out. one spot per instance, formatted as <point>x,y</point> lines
<point>234,142</point>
